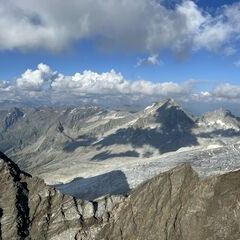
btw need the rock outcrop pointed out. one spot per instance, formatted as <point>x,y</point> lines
<point>175,205</point>
<point>13,117</point>
<point>29,209</point>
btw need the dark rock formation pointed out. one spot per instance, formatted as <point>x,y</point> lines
<point>13,117</point>
<point>60,127</point>
<point>176,205</point>
<point>31,210</point>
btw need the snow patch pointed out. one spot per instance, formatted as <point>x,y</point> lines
<point>149,107</point>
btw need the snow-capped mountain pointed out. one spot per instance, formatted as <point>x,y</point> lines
<point>81,145</point>
<point>168,115</point>
<point>220,119</point>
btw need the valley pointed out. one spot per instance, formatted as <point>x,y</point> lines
<point>79,150</point>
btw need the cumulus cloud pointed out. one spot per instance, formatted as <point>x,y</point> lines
<point>46,86</point>
<point>111,83</point>
<point>35,80</point>
<point>143,25</point>
<point>227,91</point>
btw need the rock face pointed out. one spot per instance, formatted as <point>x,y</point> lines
<point>175,205</point>
<point>31,210</point>
<point>220,119</point>
<point>13,117</point>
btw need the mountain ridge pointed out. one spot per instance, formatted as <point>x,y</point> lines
<point>61,145</point>
<point>176,205</point>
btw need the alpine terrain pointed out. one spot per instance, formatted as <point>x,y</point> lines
<point>88,152</point>
<point>173,205</point>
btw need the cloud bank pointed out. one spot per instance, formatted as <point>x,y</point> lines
<point>143,25</point>
<point>47,86</point>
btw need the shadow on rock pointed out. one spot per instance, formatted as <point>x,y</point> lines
<point>106,155</point>
<point>82,141</point>
<point>163,141</point>
<point>114,183</point>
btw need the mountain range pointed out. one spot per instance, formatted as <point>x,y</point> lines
<point>81,149</point>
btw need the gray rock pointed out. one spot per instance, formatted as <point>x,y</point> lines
<point>177,205</point>
<point>29,209</point>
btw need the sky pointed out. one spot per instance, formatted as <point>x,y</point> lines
<point>122,51</point>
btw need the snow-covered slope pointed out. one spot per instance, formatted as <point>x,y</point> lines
<point>220,119</point>
<point>61,145</point>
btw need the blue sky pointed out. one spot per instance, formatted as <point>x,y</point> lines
<point>209,68</point>
<point>203,65</point>
<point>192,41</point>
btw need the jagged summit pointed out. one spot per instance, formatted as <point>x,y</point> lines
<point>170,102</point>
<point>220,118</point>
<point>176,205</point>
<point>169,114</point>
<point>29,209</point>
<point>221,112</point>
<point>10,165</point>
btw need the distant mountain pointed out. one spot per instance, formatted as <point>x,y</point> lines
<point>167,115</point>
<point>62,144</point>
<point>220,119</point>
<point>164,126</point>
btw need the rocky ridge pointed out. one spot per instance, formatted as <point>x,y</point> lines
<point>88,146</point>
<point>176,205</point>
<point>29,209</point>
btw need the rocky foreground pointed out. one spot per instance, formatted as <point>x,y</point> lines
<point>174,205</point>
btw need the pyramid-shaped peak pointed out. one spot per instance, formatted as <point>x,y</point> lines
<point>169,114</point>
<point>170,102</point>
<point>163,104</point>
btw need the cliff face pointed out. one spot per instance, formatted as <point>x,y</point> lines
<point>175,205</point>
<point>31,210</point>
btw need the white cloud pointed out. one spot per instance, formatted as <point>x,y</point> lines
<point>4,85</point>
<point>47,86</point>
<point>111,83</point>
<point>150,60</point>
<point>227,91</point>
<point>91,82</point>
<point>142,25</point>
<point>35,80</point>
